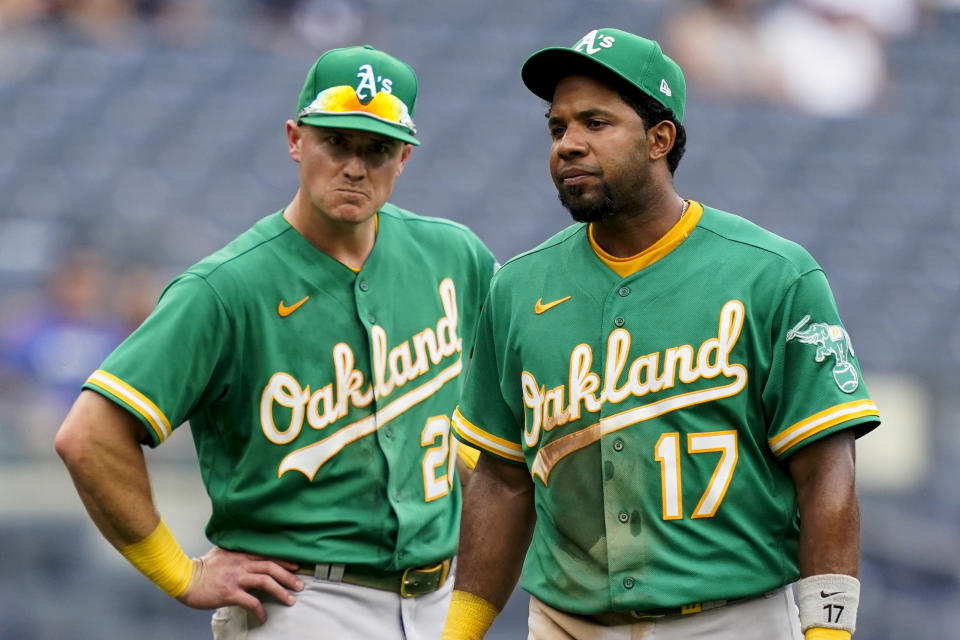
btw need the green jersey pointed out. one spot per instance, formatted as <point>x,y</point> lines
<point>655,411</point>
<point>318,398</point>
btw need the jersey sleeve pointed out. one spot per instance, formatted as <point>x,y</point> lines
<point>168,366</point>
<point>484,418</point>
<point>815,387</point>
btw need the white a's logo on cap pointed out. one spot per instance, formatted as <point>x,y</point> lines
<point>368,82</point>
<point>665,88</point>
<point>591,44</point>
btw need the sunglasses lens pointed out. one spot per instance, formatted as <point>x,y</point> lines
<point>343,99</point>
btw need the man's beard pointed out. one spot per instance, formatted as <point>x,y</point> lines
<point>595,210</point>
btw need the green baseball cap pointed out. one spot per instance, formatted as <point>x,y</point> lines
<point>637,60</point>
<point>360,88</point>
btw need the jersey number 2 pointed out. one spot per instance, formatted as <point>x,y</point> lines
<point>435,456</point>
<point>667,453</point>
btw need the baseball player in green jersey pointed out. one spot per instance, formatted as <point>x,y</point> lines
<point>663,394</point>
<point>318,359</point>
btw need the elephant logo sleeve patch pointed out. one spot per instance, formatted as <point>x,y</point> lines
<point>830,340</point>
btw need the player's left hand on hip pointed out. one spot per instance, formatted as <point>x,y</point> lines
<point>223,577</point>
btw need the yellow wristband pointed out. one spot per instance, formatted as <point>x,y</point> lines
<point>469,617</point>
<point>819,633</point>
<point>160,558</point>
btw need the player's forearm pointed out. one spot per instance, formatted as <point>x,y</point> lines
<point>830,535</point>
<point>99,447</point>
<point>829,593</point>
<point>829,512</point>
<point>495,531</point>
<point>99,444</point>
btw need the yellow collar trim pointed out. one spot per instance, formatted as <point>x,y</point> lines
<point>670,240</point>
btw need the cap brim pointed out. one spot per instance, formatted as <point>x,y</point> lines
<point>360,123</point>
<point>545,68</point>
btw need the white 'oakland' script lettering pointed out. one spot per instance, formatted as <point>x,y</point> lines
<point>645,375</point>
<point>392,368</point>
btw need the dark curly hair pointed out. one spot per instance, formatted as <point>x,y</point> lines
<point>652,112</point>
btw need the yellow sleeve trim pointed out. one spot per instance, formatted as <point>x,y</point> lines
<point>140,403</point>
<point>160,558</point>
<point>468,618</point>
<point>486,441</point>
<point>809,427</point>
<point>468,454</point>
<point>817,633</point>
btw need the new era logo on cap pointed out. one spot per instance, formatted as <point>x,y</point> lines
<point>664,87</point>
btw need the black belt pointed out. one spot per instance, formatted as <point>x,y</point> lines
<point>617,618</point>
<point>411,582</point>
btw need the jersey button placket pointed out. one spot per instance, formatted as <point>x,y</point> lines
<point>623,517</point>
<point>364,286</point>
<point>618,445</point>
<point>629,582</point>
<point>623,291</point>
<point>619,321</point>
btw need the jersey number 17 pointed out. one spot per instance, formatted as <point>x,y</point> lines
<point>667,453</point>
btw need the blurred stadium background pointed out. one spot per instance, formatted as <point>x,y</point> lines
<point>137,136</point>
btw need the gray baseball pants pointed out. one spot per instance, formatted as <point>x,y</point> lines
<point>773,616</point>
<point>341,611</point>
